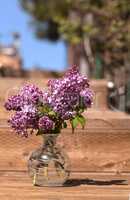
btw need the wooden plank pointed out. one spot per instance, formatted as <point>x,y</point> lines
<point>18,186</point>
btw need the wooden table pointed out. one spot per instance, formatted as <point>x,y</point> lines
<point>16,185</point>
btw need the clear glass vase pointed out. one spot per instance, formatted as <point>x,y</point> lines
<point>49,165</point>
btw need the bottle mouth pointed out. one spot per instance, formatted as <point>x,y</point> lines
<point>50,136</point>
<point>49,140</point>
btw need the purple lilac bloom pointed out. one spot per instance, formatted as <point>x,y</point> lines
<point>68,115</point>
<point>22,121</point>
<point>87,95</point>
<point>45,123</point>
<point>31,94</point>
<point>64,94</point>
<point>29,109</point>
<point>14,103</point>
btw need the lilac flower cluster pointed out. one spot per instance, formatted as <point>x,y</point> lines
<point>47,111</point>
<point>64,95</point>
<point>22,121</point>
<point>14,103</point>
<point>87,96</point>
<point>45,123</point>
<point>29,94</point>
<point>25,105</point>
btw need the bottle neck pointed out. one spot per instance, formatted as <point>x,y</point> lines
<point>49,141</point>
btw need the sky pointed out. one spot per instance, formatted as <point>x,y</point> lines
<point>45,54</point>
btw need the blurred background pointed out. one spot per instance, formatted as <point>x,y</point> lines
<point>41,39</point>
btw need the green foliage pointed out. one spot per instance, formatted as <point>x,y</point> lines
<point>81,120</point>
<point>44,109</point>
<point>78,120</point>
<point>64,124</point>
<point>105,22</point>
<point>61,18</point>
<point>74,122</point>
<point>52,113</point>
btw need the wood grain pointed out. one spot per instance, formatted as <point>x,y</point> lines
<point>81,186</point>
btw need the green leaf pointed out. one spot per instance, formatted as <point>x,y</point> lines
<point>51,113</point>
<point>81,120</point>
<point>44,109</point>
<point>64,125</point>
<point>74,123</point>
<point>81,110</point>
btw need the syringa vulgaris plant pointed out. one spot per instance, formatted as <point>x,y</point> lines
<point>48,111</point>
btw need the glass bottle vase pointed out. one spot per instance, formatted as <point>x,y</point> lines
<point>49,165</point>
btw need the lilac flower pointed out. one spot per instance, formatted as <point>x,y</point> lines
<point>14,103</point>
<point>68,115</point>
<point>63,99</point>
<point>45,123</point>
<point>29,109</point>
<point>87,97</point>
<point>22,121</point>
<point>64,94</point>
<point>53,84</point>
<point>76,80</point>
<point>31,94</point>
